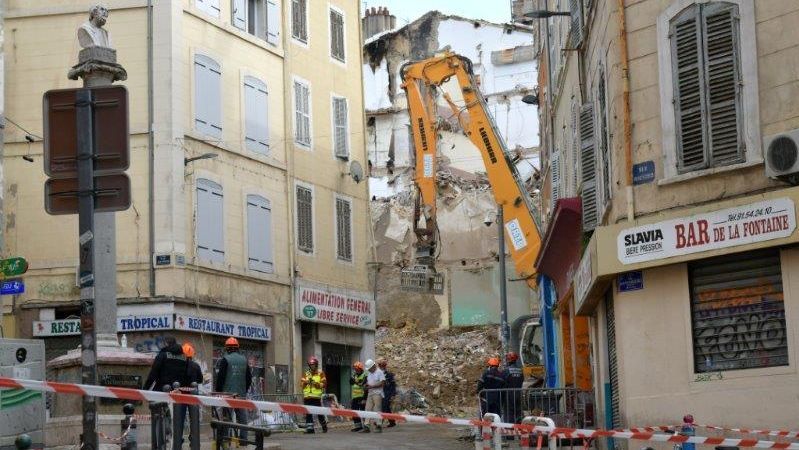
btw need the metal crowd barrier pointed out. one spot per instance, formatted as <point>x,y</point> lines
<point>276,421</point>
<point>568,407</point>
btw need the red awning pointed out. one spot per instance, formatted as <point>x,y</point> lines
<point>560,252</point>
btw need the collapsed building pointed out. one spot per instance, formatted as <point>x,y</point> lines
<point>505,72</point>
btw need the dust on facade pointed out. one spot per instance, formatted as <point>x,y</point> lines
<point>502,55</point>
<point>244,169</point>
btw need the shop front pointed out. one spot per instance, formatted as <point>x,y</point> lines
<point>337,326</point>
<point>695,311</point>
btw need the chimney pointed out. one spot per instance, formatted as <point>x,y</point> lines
<point>377,20</point>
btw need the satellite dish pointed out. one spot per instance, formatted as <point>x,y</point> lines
<point>356,171</point>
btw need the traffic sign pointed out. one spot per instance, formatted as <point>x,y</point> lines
<point>112,193</point>
<point>12,287</point>
<point>13,267</point>
<point>111,131</point>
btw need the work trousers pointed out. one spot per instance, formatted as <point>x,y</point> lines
<point>386,408</point>
<point>374,403</point>
<point>309,417</point>
<point>358,404</point>
<point>241,418</point>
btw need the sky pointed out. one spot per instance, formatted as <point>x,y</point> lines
<point>409,10</point>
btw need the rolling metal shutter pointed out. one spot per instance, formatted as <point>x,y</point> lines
<point>737,311</point>
<point>613,365</point>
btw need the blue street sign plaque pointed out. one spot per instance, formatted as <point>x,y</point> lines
<point>12,287</point>
<point>644,172</point>
<point>631,281</point>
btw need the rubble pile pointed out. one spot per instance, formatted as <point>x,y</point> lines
<point>441,365</point>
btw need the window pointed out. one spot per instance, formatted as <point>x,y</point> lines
<point>302,113</point>
<point>588,167</point>
<point>207,96</point>
<point>575,146</point>
<point>256,117</point>
<point>603,141</point>
<point>576,9</point>
<point>708,86</point>
<point>210,221</point>
<point>299,20</point>
<point>337,35</point>
<point>260,18</point>
<point>341,128</point>
<point>738,312</point>
<point>343,229</point>
<point>305,219</point>
<point>555,167</point>
<point>259,234</point>
<point>208,6</point>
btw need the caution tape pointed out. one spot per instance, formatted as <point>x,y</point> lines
<point>187,399</point>
<point>120,438</point>
<point>670,428</point>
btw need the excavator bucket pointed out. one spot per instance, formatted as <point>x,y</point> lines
<point>422,279</point>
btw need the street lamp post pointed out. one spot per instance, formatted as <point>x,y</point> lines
<point>503,288</point>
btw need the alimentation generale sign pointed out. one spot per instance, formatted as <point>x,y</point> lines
<point>335,307</point>
<point>740,225</point>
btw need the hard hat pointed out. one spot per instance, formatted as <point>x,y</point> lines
<point>231,342</point>
<point>382,362</point>
<point>358,365</point>
<point>369,364</point>
<point>493,362</point>
<point>312,360</point>
<point>188,350</point>
<point>512,356</point>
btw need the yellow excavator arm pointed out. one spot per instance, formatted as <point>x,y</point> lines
<point>420,81</point>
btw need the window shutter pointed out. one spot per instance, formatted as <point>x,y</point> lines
<point>602,138</point>
<point>555,167</point>
<point>588,166</point>
<point>576,8</point>
<point>214,7</point>
<point>256,131</point>
<point>210,221</point>
<point>302,133</point>
<point>336,35</point>
<point>575,147</point>
<point>340,124</point>
<point>239,12</point>
<point>722,80</point>
<point>299,28</point>
<point>305,219</point>
<point>259,234</point>
<point>689,90</point>
<point>207,96</point>
<point>344,229</point>
<point>272,22</point>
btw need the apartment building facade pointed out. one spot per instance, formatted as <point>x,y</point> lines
<point>208,247</point>
<point>667,135</point>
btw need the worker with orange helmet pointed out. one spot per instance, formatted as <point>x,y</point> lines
<point>487,388</point>
<point>514,376</point>
<point>194,374</point>
<point>358,387</point>
<point>314,383</point>
<point>234,377</point>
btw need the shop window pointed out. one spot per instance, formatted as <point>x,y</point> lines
<point>737,312</point>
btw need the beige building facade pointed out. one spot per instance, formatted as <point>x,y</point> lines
<point>668,120</point>
<point>209,246</point>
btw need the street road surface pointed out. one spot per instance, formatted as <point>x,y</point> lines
<point>403,436</point>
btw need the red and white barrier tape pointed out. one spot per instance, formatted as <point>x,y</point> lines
<point>170,397</point>
<point>777,433</point>
<point>120,438</point>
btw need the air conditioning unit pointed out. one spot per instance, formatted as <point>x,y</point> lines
<point>782,156</point>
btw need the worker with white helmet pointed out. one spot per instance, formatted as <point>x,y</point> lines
<point>375,381</point>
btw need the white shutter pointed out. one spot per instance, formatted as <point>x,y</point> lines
<point>603,144</point>
<point>302,132</point>
<point>576,9</point>
<point>555,168</point>
<point>256,120</point>
<point>210,221</point>
<point>207,96</point>
<point>272,22</point>
<point>340,125</point>
<point>343,229</point>
<point>299,26</point>
<point>689,90</point>
<point>575,146</point>
<point>588,163</point>
<point>259,234</point>
<point>239,13</point>
<point>337,35</point>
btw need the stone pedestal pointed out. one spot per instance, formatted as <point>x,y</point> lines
<point>98,67</point>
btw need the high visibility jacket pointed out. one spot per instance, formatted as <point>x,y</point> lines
<point>358,382</point>
<point>313,384</point>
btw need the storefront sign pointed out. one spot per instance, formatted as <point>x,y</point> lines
<point>222,328</point>
<point>582,279</point>
<point>335,307</point>
<point>631,281</point>
<point>756,222</point>
<point>144,323</point>
<point>67,327</point>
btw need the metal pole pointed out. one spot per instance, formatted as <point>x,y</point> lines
<point>85,125</point>
<point>503,281</point>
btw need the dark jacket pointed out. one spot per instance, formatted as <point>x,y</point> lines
<point>390,387</point>
<point>169,366</point>
<point>221,376</point>
<point>194,374</point>
<point>492,378</point>
<point>514,375</point>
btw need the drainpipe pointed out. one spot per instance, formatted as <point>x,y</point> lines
<point>628,131</point>
<point>151,146</point>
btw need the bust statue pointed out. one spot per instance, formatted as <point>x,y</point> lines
<point>91,32</point>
